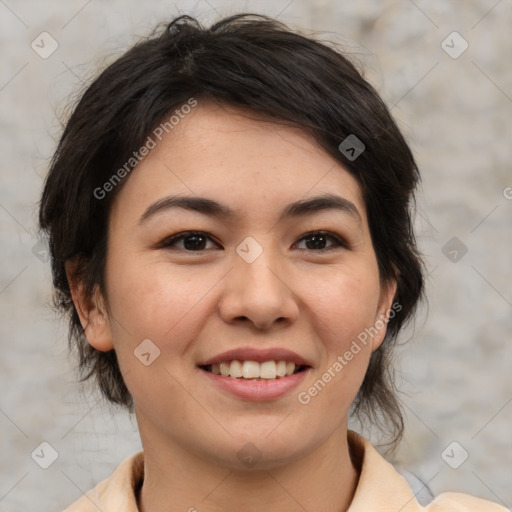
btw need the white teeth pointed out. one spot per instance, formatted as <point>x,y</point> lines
<point>281,368</point>
<point>253,370</point>
<point>268,370</point>
<point>235,369</point>
<point>224,369</point>
<point>250,370</point>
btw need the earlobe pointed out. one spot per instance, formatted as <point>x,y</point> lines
<point>92,312</point>
<point>384,313</point>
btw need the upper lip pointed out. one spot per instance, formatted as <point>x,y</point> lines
<point>258,355</point>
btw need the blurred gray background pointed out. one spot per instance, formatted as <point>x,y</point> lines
<point>444,69</point>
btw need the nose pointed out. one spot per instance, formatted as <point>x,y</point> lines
<point>258,293</point>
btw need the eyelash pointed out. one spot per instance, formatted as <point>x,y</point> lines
<point>168,243</point>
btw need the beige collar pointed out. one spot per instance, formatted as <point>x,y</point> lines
<point>380,488</point>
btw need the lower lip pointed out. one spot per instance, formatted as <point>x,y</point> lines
<point>257,389</point>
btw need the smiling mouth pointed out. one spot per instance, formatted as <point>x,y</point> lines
<point>253,370</point>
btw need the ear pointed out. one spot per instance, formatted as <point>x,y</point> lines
<point>385,311</point>
<point>91,310</point>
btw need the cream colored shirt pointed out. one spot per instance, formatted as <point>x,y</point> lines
<point>380,488</point>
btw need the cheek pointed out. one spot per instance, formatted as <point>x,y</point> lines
<point>148,299</point>
<point>343,311</point>
<point>166,305</point>
<point>155,300</point>
<point>345,304</point>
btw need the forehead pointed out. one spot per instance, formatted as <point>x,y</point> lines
<point>240,158</point>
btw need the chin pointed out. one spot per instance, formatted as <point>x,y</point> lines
<point>262,451</point>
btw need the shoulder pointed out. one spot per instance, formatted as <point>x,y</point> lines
<point>117,492</point>
<point>381,485</point>
<point>458,502</point>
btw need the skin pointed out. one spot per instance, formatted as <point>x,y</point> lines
<point>196,304</point>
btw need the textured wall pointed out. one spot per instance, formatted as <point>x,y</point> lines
<point>454,105</point>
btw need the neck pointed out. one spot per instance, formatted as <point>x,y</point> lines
<point>324,480</point>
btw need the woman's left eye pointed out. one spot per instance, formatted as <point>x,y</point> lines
<point>317,241</point>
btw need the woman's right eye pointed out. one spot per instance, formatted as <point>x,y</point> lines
<point>191,241</point>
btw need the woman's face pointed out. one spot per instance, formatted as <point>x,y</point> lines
<point>256,282</point>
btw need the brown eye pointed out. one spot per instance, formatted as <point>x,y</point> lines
<point>190,241</point>
<point>318,241</point>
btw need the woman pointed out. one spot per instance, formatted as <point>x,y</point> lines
<point>229,216</point>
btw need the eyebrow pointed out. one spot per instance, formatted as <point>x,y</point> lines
<point>213,208</point>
